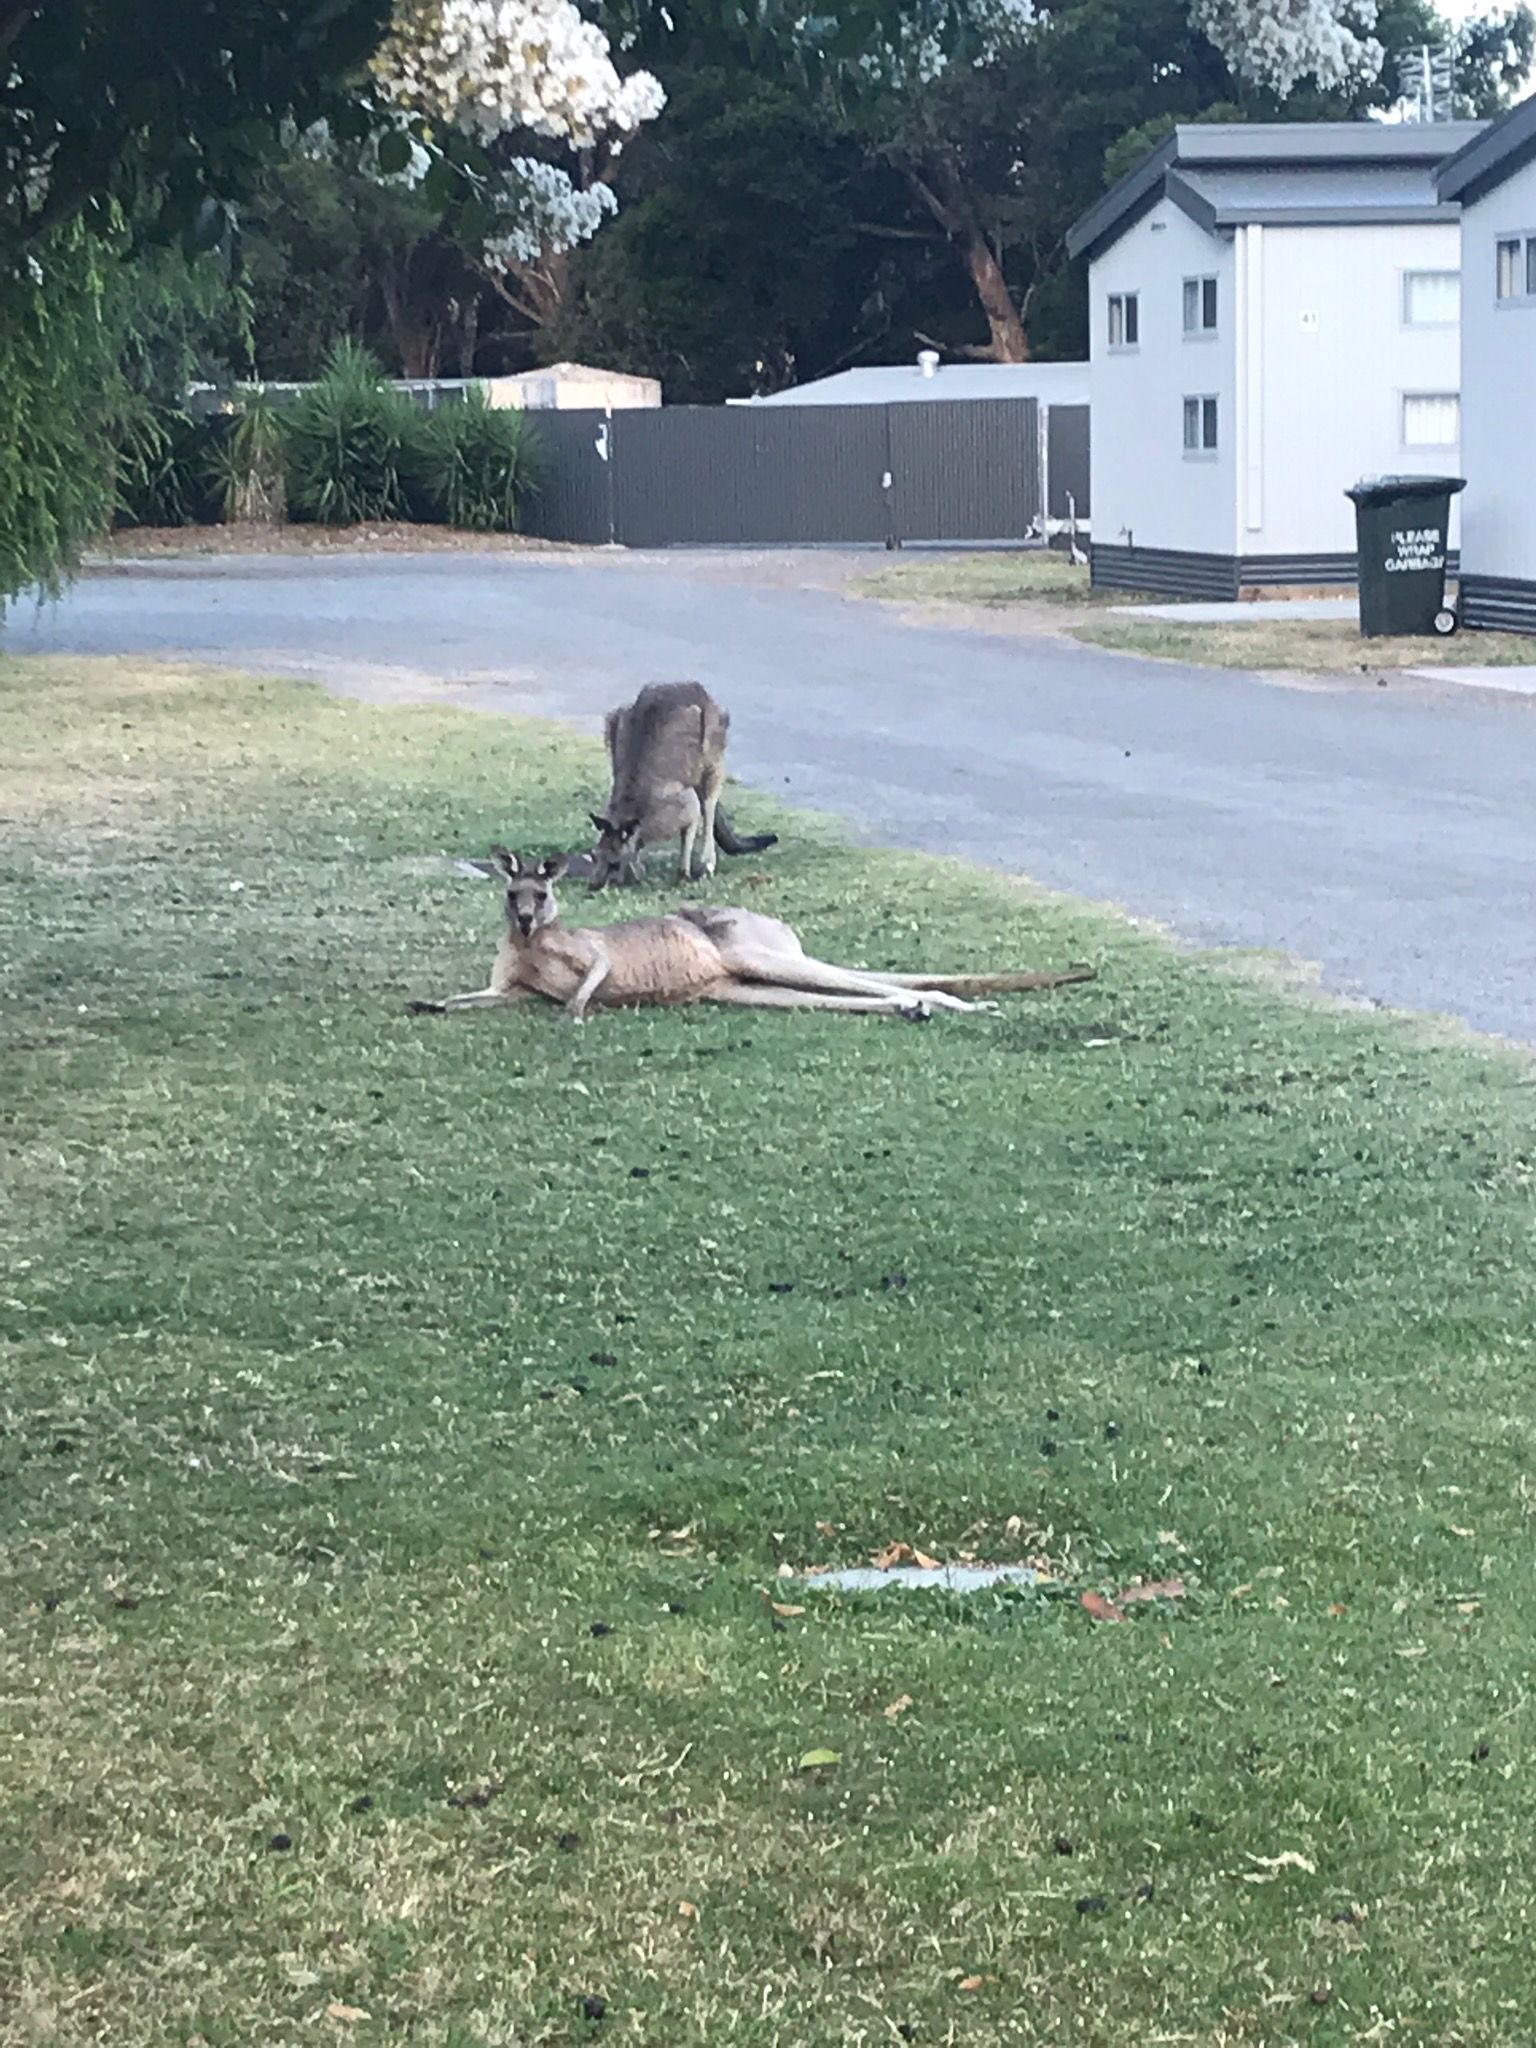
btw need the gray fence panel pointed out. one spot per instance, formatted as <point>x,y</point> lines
<point>1067,451</point>
<point>966,469</point>
<point>741,475</point>
<point>575,497</point>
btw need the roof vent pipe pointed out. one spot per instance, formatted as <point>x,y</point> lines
<point>928,362</point>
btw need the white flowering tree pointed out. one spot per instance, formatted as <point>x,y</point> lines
<point>507,115</point>
<point>1279,45</point>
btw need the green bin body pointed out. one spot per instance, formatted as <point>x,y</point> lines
<point>1402,527</point>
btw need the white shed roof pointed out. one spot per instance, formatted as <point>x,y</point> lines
<point>903,383</point>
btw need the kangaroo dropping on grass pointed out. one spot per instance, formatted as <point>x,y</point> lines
<point>696,955</point>
<point>667,750</point>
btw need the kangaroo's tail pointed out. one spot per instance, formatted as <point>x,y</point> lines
<point>988,984</point>
<point>728,842</point>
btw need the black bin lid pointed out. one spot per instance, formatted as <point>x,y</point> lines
<point>1382,490</point>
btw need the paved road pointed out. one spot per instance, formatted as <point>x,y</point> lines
<point>1387,834</point>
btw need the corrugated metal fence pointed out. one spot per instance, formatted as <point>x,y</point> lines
<point>954,470</point>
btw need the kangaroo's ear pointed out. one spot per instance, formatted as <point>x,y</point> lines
<point>504,863</point>
<point>552,869</point>
<point>602,824</point>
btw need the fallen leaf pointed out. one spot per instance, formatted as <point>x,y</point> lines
<point>893,1553</point>
<point>1469,1606</point>
<point>1336,1610</point>
<point>825,1529</point>
<point>789,1613</point>
<point>1151,1589</point>
<point>927,1563</point>
<point>350,2013</point>
<point>1455,1531</point>
<point>1241,1592</point>
<point>818,1759</point>
<point>687,1910</point>
<point>898,1706</point>
<point>1099,1608</point>
<point>970,1984</point>
<point>785,1571</point>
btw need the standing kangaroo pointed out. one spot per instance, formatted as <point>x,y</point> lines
<point>668,755</point>
<point>696,955</point>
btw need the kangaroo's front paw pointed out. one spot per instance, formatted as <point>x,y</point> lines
<point>916,1011</point>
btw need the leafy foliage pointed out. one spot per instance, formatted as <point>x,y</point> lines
<point>90,351</point>
<point>475,462</point>
<point>164,105</point>
<point>349,439</point>
<point>168,468</point>
<point>250,463</point>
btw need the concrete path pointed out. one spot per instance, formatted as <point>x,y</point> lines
<point>1388,833</point>
<point>1244,612</point>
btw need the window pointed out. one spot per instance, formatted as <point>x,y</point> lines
<point>1431,298</point>
<point>1125,319</point>
<point>1199,305</point>
<point>1431,419</point>
<point>1516,276</point>
<point>1199,426</point>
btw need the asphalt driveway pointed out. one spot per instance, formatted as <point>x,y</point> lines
<point>1387,834</point>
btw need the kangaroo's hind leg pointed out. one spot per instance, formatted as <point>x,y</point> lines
<point>689,836</point>
<point>799,971</point>
<point>762,995</point>
<point>709,793</point>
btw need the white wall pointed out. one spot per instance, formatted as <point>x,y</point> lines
<point>1337,360</point>
<point>1142,483</point>
<point>1498,408</point>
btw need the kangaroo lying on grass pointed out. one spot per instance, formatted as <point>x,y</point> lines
<point>668,756</point>
<point>696,955</point>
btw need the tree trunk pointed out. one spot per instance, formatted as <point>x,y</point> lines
<point>1009,341</point>
<point>940,187</point>
<point>469,335</point>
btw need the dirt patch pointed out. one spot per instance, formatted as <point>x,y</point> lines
<point>397,537</point>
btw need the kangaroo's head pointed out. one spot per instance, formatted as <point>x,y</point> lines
<point>617,852</point>
<point>530,889</point>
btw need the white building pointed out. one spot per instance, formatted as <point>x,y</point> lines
<point>1493,179</point>
<point>1274,315</point>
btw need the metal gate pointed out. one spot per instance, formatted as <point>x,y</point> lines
<point>739,475</point>
<point>573,457</point>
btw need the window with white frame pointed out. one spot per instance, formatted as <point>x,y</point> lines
<point>1516,269</point>
<point>1200,436</point>
<point>1125,319</point>
<point>1431,419</point>
<point>1431,298</point>
<point>1199,305</point>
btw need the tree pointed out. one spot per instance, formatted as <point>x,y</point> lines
<point>738,262</point>
<point>163,108</point>
<point>511,114</point>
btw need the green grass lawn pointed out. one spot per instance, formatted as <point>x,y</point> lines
<point>993,578</point>
<point>404,1422</point>
<point>1318,646</point>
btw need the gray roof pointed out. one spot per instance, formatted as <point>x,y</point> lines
<point>1325,173</point>
<point>1484,162</point>
<point>900,383</point>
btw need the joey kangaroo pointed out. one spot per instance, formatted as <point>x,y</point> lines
<point>668,755</point>
<point>696,955</point>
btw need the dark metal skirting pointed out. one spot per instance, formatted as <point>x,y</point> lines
<point>1498,604</point>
